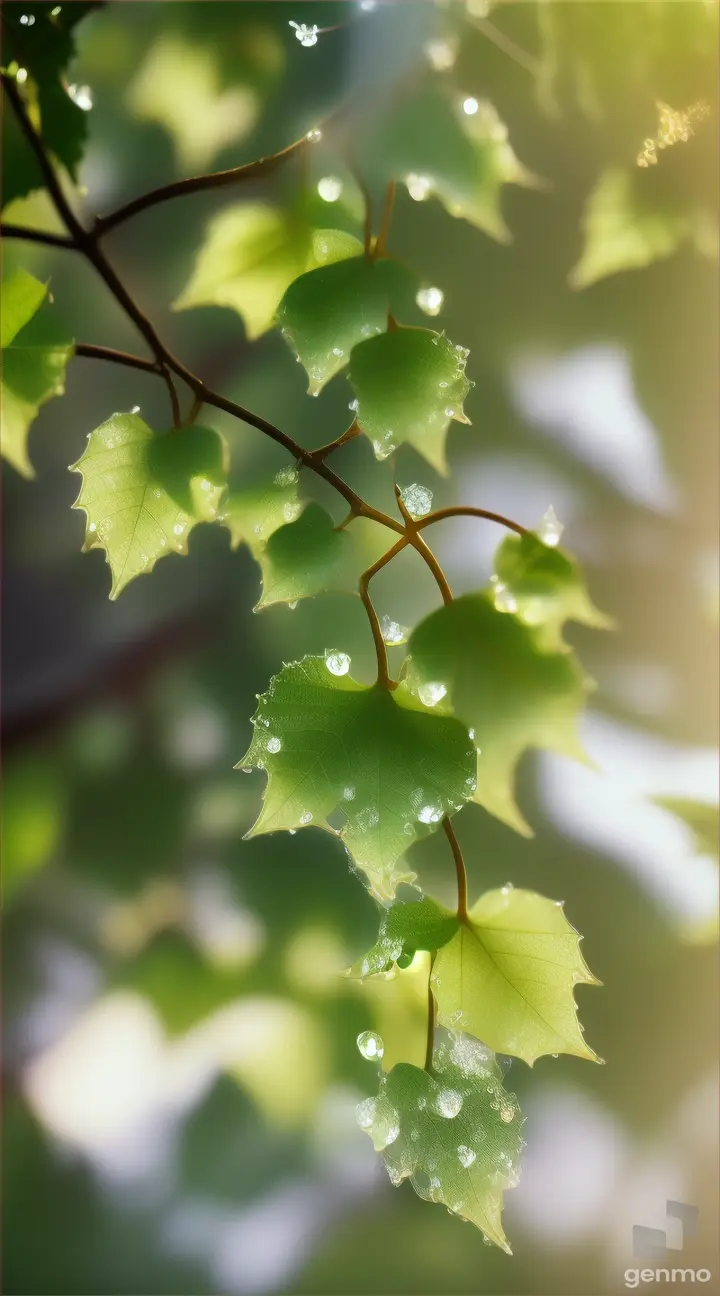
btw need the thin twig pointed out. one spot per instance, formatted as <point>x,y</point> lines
<point>428,556</point>
<point>323,451</point>
<point>195,184</point>
<point>38,236</point>
<point>382,238</point>
<point>380,648</point>
<point>194,411</point>
<point>367,206</point>
<point>92,352</point>
<point>463,510</point>
<point>508,46</point>
<point>462,911</point>
<point>430,1044</point>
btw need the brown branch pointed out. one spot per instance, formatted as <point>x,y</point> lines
<point>196,184</point>
<point>323,451</point>
<point>466,510</point>
<point>92,352</point>
<point>382,238</point>
<point>38,236</point>
<point>430,1044</point>
<point>380,648</point>
<point>462,911</point>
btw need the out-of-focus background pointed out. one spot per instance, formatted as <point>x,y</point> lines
<point>180,1070</point>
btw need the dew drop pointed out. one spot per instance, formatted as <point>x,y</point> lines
<point>449,1103</point>
<point>365,1113</point>
<point>81,96</point>
<point>430,814</point>
<point>178,528</point>
<point>470,106</point>
<point>274,745</point>
<point>337,351</point>
<point>449,412</point>
<point>370,1045</point>
<point>466,1156</point>
<point>349,794</point>
<point>338,663</point>
<point>293,605</point>
<point>314,136</point>
<point>418,186</point>
<point>135,409</point>
<point>354,405</point>
<point>430,300</point>
<point>507,1114</point>
<point>92,527</point>
<point>21,76</point>
<point>431,693</point>
<point>550,529</point>
<point>504,599</point>
<point>330,188</point>
<point>392,632</point>
<point>305,34</point>
<point>417,499</point>
<point>305,817</point>
<point>286,477</point>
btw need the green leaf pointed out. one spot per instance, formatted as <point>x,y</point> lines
<point>701,819</point>
<point>329,743</point>
<point>399,1001</point>
<point>546,586</point>
<point>495,675</point>
<point>35,353</point>
<point>438,149</point>
<point>456,1132</point>
<point>507,976</point>
<point>406,927</point>
<point>251,254</point>
<point>253,515</point>
<point>625,229</point>
<point>206,116</point>
<point>143,495</point>
<point>34,798</point>
<point>410,383</point>
<point>306,557</point>
<point>326,312</point>
<point>44,50</point>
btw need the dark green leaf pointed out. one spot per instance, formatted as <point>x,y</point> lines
<point>407,927</point>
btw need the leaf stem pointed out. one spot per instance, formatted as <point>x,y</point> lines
<point>92,352</point>
<point>429,1047</point>
<point>466,510</point>
<point>38,236</point>
<point>382,238</point>
<point>196,184</point>
<point>367,206</point>
<point>323,451</point>
<point>383,679</point>
<point>462,911</point>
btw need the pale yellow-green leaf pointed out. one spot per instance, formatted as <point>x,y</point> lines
<point>508,975</point>
<point>35,353</point>
<point>142,495</point>
<point>251,254</point>
<point>399,1005</point>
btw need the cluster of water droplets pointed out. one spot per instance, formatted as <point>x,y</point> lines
<point>417,499</point>
<point>392,632</point>
<point>304,32</point>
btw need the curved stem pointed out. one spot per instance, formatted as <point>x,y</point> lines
<point>382,238</point>
<point>429,1047</point>
<point>466,510</point>
<point>367,207</point>
<point>380,648</point>
<point>196,184</point>
<point>462,911</point>
<point>428,556</point>
<point>323,451</point>
<point>38,236</point>
<point>92,352</point>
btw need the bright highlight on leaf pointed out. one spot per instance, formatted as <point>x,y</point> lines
<point>455,1133</point>
<point>410,384</point>
<point>251,254</point>
<point>35,353</point>
<point>499,680</point>
<point>508,975</point>
<point>143,494</point>
<point>407,927</point>
<point>546,587</point>
<point>329,743</point>
<point>326,312</point>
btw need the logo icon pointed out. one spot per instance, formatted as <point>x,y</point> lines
<point>653,1244</point>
